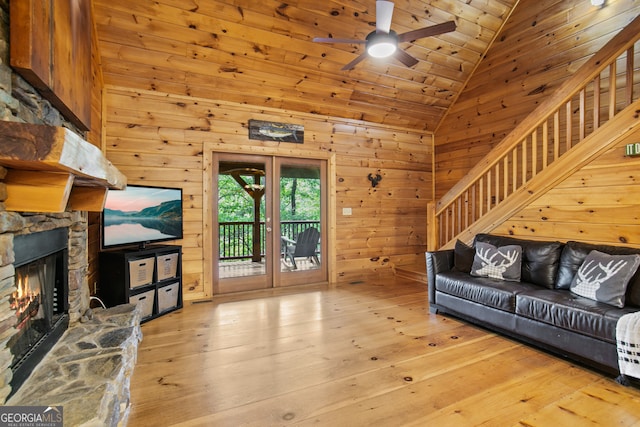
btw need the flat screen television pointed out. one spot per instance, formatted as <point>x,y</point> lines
<point>141,215</point>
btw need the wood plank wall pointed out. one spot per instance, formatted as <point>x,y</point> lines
<point>540,46</point>
<point>157,139</point>
<point>600,203</point>
<point>94,136</point>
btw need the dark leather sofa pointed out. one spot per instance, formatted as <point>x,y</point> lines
<point>539,309</point>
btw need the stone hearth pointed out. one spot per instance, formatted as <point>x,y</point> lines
<point>88,370</point>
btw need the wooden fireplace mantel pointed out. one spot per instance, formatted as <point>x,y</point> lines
<point>51,169</point>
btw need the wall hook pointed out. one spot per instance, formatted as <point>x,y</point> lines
<point>374,180</point>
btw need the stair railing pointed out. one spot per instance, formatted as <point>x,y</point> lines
<point>593,95</point>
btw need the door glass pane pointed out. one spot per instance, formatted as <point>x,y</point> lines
<point>300,208</point>
<point>241,219</point>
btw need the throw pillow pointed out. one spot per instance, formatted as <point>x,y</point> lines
<point>539,257</point>
<point>463,257</point>
<point>499,263</point>
<point>604,278</point>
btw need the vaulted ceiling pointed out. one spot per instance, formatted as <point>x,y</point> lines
<point>261,52</point>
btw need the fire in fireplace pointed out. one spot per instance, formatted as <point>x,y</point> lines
<point>40,300</point>
<point>26,299</point>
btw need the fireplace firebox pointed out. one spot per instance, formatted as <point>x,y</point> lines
<point>40,300</point>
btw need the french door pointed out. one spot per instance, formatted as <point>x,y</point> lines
<point>269,222</point>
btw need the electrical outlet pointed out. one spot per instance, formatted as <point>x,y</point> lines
<point>346,211</point>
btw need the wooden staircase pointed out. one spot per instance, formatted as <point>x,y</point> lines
<point>589,113</point>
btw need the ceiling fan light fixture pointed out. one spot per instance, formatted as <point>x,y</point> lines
<point>381,49</point>
<point>382,45</point>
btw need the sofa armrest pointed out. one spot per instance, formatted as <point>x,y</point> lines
<point>437,262</point>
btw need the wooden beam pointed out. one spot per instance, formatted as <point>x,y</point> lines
<point>90,199</point>
<point>27,146</point>
<point>34,45</point>
<point>37,191</point>
<point>26,54</point>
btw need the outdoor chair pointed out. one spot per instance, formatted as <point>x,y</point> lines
<point>305,245</point>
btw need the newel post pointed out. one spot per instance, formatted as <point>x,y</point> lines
<point>432,227</point>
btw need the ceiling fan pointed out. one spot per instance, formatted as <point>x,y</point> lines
<point>383,42</point>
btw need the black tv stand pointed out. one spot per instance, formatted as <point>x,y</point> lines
<point>150,276</point>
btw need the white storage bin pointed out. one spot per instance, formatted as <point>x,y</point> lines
<point>167,266</point>
<point>145,300</point>
<point>141,272</point>
<point>168,297</point>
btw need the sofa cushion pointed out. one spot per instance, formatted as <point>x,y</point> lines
<point>494,293</point>
<point>603,277</point>
<point>502,262</point>
<point>573,255</point>
<point>463,257</point>
<point>568,311</point>
<point>540,259</point>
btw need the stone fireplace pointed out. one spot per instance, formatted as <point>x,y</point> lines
<point>48,313</point>
<point>86,368</point>
<point>40,301</point>
<point>50,178</point>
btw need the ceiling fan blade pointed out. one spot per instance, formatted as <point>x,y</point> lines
<point>405,58</point>
<point>433,30</point>
<point>355,62</point>
<point>334,40</point>
<point>384,13</point>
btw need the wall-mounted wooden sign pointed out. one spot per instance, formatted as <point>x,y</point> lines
<point>51,49</point>
<point>272,131</point>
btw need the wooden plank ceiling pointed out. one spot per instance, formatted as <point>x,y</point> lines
<point>260,52</point>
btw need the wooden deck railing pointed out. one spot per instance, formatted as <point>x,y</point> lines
<point>236,238</point>
<point>600,89</point>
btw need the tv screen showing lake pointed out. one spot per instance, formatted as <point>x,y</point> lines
<point>129,230</point>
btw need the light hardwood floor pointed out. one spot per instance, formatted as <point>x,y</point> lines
<point>366,354</point>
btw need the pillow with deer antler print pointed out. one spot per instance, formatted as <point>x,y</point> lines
<point>604,278</point>
<point>502,262</point>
